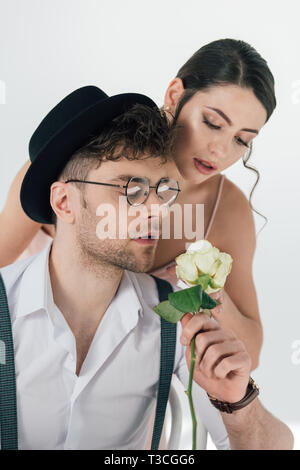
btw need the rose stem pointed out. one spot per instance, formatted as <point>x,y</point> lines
<point>189,392</point>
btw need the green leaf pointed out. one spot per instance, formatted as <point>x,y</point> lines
<point>208,302</point>
<point>187,300</point>
<point>168,312</point>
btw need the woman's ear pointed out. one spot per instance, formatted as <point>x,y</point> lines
<point>173,95</point>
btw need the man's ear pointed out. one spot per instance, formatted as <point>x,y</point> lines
<point>173,94</point>
<point>61,201</point>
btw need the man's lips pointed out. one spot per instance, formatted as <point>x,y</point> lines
<point>147,239</point>
<point>148,235</point>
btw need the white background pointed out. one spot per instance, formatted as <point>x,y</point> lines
<point>49,48</point>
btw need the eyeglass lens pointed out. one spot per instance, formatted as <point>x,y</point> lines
<point>138,190</point>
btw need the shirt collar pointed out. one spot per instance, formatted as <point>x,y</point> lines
<point>126,296</point>
<point>36,291</point>
<point>33,288</point>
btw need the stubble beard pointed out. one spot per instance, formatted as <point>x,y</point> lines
<point>106,257</point>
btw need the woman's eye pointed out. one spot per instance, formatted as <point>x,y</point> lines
<point>213,126</point>
<point>241,142</point>
<point>209,124</point>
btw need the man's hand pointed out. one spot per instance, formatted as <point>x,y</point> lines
<point>222,366</point>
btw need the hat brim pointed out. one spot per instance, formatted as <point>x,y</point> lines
<point>44,170</point>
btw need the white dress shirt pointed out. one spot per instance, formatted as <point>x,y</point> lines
<point>110,403</point>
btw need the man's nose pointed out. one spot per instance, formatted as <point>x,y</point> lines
<point>154,205</point>
<point>154,210</point>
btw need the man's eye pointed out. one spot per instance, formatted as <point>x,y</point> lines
<point>209,124</point>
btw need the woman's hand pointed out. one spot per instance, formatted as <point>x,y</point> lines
<point>223,365</point>
<point>220,297</point>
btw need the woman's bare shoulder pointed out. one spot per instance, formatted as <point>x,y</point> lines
<point>234,214</point>
<point>232,199</point>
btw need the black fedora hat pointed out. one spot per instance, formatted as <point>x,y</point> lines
<point>65,129</point>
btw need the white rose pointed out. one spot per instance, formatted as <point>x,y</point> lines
<point>223,269</point>
<point>186,268</point>
<point>201,258</point>
<point>199,245</point>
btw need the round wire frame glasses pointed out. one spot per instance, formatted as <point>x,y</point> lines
<point>137,189</point>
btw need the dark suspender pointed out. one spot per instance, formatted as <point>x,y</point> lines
<point>167,356</point>
<point>8,396</point>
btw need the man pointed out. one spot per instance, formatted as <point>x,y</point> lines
<point>87,342</point>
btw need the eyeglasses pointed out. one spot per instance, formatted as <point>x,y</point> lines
<point>137,189</point>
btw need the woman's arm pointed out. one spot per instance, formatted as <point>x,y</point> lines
<point>237,237</point>
<point>16,228</point>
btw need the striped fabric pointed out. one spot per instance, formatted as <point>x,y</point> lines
<point>8,398</point>
<point>167,356</point>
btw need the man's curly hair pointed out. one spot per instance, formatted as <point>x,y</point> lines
<point>140,133</point>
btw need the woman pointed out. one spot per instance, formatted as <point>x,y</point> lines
<point>220,98</point>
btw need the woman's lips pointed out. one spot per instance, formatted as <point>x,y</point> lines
<point>201,168</point>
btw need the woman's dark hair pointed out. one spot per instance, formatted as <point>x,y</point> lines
<point>229,62</point>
